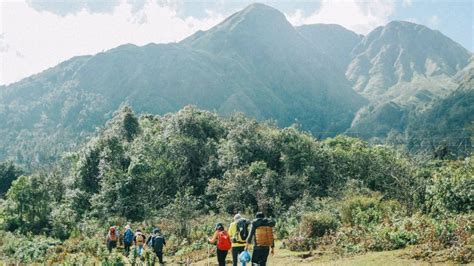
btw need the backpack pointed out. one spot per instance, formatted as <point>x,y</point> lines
<point>242,231</point>
<point>264,233</point>
<point>223,241</point>
<point>128,236</point>
<point>112,235</point>
<point>139,239</point>
<point>157,243</point>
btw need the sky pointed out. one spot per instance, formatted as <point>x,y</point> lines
<point>39,34</point>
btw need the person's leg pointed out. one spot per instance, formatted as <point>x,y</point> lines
<point>235,254</point>
<point>109,246</point>
<point>256,256</point>
<point>126,247</point>
<point>221,257</point>
<point>159,254</point>
<point>264,256</point>
<point>259,256</point>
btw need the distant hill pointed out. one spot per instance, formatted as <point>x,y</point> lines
<point>254,62</point>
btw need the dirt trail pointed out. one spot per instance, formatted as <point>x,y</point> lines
<point>285,257</point>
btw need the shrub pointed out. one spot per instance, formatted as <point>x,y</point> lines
<point>299,243</point>
<point>361,210</point>
<point>316,224</point>
<point>452,190</point>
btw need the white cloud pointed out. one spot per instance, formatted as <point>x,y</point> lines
<point>434,21</point>
<point>412,20</point>
<point>407,3</point>
<point>359,16</point>
<point>38,40</point>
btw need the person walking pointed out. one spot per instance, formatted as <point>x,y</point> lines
<point>223,243</point>
<point>156,243</point>
<point>261,236</point>
<point>139,241</point>
<point>238,231</point>
<point>112,238</point>
<point>127,239</point>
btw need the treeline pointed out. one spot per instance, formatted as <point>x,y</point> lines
<point>194,162</point>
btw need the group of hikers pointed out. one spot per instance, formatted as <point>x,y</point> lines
<point>155,241</point>
<point>241,236</point>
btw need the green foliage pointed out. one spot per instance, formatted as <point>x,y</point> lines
<point>452,188</point>
<point>318,224</point>
<point>27,206</point>
<point>361,210</point>
<point>8,173</point>
<point>186,171</point>
<point>182,210</point>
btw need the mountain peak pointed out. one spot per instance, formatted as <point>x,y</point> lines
<point>401,52</point>
<point>256,21</point>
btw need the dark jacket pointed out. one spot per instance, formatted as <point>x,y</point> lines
<point>256,223</point>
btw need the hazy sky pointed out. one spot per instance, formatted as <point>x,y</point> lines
<point>38,34</point>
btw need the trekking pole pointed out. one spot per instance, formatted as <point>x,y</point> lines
<point>208,253</point>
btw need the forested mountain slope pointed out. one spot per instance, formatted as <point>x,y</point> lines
<point>254,62</point>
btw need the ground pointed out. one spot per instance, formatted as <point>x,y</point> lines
<point>385,258</point>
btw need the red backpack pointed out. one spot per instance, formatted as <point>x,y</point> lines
<point>223,241</point>
<point>112,235</point>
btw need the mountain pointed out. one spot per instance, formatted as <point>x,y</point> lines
<point>333,40</point>
<point>449,122</point>
<point>402,68</point>
<point>253,62</point>
<point>392,56</point>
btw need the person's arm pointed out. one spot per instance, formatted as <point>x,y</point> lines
<point>214,238</point>
<point>251,236</point>
<point>147,242</point>
<point>164,241</point>
<point>232,230</point>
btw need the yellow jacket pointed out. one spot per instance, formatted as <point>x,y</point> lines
<point>232,231</point>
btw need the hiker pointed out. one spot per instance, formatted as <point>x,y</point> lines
<point>127,239</point>
<point>139,241</point>
<point>238,231</point>
<point>112,238</point>
<point>223,243</point>
<point>261,236</point>
<point>156,243</point>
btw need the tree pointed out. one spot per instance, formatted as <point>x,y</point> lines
<point>28,204</point>
<point>8,173</point>
<point>182,210</point>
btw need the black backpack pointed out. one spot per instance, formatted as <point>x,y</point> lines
<point>242,230</point>
<point>157,243</point>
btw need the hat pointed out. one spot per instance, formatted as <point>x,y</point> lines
<point>219,227</point>
<point>156,230</point>
<point>237,216</point>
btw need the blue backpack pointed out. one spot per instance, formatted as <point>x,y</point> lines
<point>128,236</point>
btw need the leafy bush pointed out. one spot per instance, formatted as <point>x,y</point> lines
<point>452,190</point>
<point>299,243</point>
<point>361,210</point>
<point>317,224</point>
